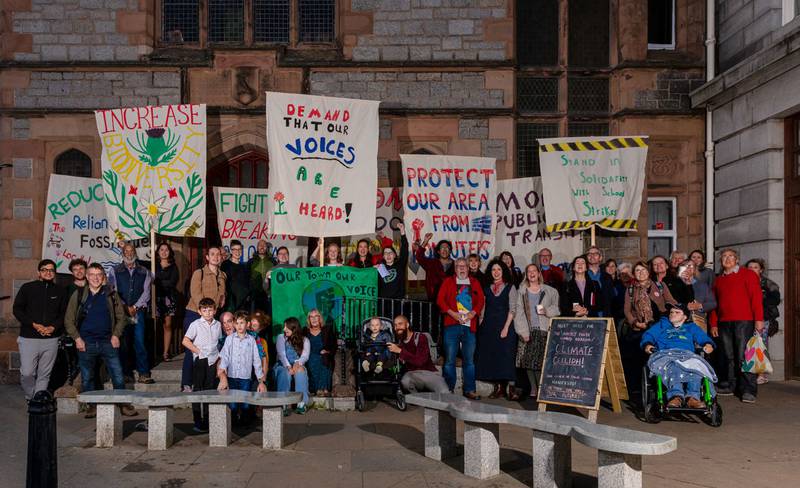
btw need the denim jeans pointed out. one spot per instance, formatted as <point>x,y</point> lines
<point>188,360</point>
<point>734,336</point>
<point>134,334</point>
<point>239,384</point>
<point>88,361</point>
<point>284,380</point>
<point>693,385</point>
<point>456,336</point>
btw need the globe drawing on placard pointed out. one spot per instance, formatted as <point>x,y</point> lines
<point>327,297</point>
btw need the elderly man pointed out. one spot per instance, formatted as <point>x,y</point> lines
<point>461,301</point>
<point>39,307</point>
<point>415,355</point>
<point>552,275</point>
<point>132,282</point>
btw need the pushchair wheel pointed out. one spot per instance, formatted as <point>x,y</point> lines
<point>400,400</point>
<point>715,415</point>
<point>652,412</point>
<point>360,401</point>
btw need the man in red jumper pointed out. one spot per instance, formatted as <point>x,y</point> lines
<point>739,314</point>
<point>436,268</point>
<point>461,302</point>
<point>414,350</point>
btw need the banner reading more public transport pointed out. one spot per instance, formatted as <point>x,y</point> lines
<point>154,169</point>
<point>323,169</point>
<point>452,197</point>
<point>593,181</point>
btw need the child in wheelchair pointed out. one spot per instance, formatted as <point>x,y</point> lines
<point>671,344</point>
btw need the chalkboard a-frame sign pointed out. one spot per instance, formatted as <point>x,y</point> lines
<point>574,362</point>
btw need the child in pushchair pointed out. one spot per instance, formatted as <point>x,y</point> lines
<point>375,353</point>
<point>686,376</point>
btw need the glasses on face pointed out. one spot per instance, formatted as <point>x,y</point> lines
<point>47,270</point>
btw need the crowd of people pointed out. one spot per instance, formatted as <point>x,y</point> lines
<point>495,318</point>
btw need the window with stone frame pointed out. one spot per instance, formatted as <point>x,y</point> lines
<point>180,21</point>
<point>587,129</point>
<point>660,24</point>
<point>317,21</point>
<point>589,31</point>
<point>537,32</point>
<point>73,163</point>
<point>271,20</point>
<point>528,146</point>
<point>226,21</point>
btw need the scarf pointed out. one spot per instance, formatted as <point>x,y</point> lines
<point>641,302</point>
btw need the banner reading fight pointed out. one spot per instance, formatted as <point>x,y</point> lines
<point>323,164</point>
<point>154,169</point>
<point>521,227</point>
<point>597,180</point>
<point>76,225</point>
<point>243,214</point>
<point>452,197</point>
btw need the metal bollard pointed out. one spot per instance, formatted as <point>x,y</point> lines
<point>42,443</point>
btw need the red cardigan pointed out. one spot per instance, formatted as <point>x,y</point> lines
<point>738,297</point>
<point>447,301</point>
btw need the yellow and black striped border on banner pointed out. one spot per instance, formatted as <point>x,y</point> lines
<point>610,224</point>
<point>615,143</point>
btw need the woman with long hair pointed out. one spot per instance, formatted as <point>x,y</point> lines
<point>582,296</point>
<point>322,355</point>
<point>362,258</point>
<point>333,255</point>
<point>516,274</point>
<point>292,350</point>
<point>166,279</point>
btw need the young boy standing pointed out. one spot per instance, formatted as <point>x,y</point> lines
<point>238,359</point>
<point>201,339</point>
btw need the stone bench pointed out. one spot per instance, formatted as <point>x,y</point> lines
<point>620,450</point>
<point>161,411</point>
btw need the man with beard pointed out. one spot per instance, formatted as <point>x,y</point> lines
<point>39,306</point>
<point>415,355</point>
<point>259,265</point>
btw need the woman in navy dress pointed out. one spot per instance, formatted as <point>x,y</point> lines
<point>496,339</point>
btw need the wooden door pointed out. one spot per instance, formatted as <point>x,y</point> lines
<point>791,298</point>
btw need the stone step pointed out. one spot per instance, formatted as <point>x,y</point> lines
<point>159,386</point>
<point>170,371</point>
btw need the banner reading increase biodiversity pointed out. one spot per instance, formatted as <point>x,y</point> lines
<point>452,197</point>
<point>154,169</point>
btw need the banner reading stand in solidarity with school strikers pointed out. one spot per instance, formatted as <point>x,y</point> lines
<point>596,180</point>
<point>323,170</point>
<point>154,169</point>
<point>454,198</point>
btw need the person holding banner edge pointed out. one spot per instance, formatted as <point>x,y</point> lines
<point>437,268</point>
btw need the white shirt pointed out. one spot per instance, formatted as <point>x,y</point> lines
<point>205,337</point>
<point>239,357</point>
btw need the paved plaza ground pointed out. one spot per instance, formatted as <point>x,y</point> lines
<point>757,446</point>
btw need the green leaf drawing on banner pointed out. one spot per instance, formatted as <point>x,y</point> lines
<point>191,196</point>
<point>117,198</point>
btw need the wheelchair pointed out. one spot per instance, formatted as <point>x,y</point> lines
<point>654,399</point>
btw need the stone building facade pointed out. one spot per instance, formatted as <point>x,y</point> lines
<point>755,102</point>
<point>473,77</point>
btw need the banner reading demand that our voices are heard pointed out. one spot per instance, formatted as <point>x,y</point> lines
<point>154,169</point>
<point>323,164</point>
<point>76,225</point>
<point>243,214</point>
<point>453,198</point>
<point>593,181</point>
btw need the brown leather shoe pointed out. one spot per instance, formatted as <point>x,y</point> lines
<point>497,392</point>
<point>91,412</point>
<point>693,402</point>
<point>675,402</point>
<point>127,410</point>
<point>472,395</point>
<point>513,394</point>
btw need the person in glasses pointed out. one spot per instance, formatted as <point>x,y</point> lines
<point>39,306</point>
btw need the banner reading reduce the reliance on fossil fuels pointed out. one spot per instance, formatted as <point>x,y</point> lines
<point>154,169</point>
<point>452,197</point>
<point>243,214</point>
<point>597,180</point>
<point>76,225</point>
<point>323,168</point>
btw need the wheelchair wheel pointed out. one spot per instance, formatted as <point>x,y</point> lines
<point>715,416</point>
<point>400,400</point>
<point>652,412</point>
<point>360,401</point>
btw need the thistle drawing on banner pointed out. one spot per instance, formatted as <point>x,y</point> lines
<point>155,146</point>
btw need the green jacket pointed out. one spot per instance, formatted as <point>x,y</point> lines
<point>116,313</point>
<point>258,272</point>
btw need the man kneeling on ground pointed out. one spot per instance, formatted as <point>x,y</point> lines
<point>415,355</point>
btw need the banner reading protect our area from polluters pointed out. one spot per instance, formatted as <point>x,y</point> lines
<point>452,197</point>
<point>76,225</point>
<point>243,214</point>
<point>521,227</point>
<point>154,169</point>
<point>597,180</point>
<point>333,290</point>
<point>323,164</point>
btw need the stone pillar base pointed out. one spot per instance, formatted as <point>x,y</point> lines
<point>616,470</point>
<point>272,428</point>
<point>481,450</point>
<point>440,435</point>
<point>109,425</point>
<point>219,425</point>
<point>160,428</point>
<point>552,460</point>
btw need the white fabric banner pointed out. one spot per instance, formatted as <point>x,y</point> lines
<point>154,169</point>
<point>76,225</point>
<point>243,214</point>
<point>452,197</point>
<point>593,180</point>
<point>323,169</point>
<point>521,227</point>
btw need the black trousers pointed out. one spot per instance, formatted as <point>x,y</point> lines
<point>204,377</point>
<point>734,337</point>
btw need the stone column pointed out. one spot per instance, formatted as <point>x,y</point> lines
<point>481,450</point>
<point>109,425</point>
<point>552,460</point>
<point>159,428</point>
<point>219,425</point>
<point>272,427</point>
<point>440,435</point>
<point>615,470</point>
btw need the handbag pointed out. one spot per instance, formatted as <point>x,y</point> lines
<point>755,357</point>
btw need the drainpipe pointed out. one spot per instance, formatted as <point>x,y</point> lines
<point>709,154</point>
